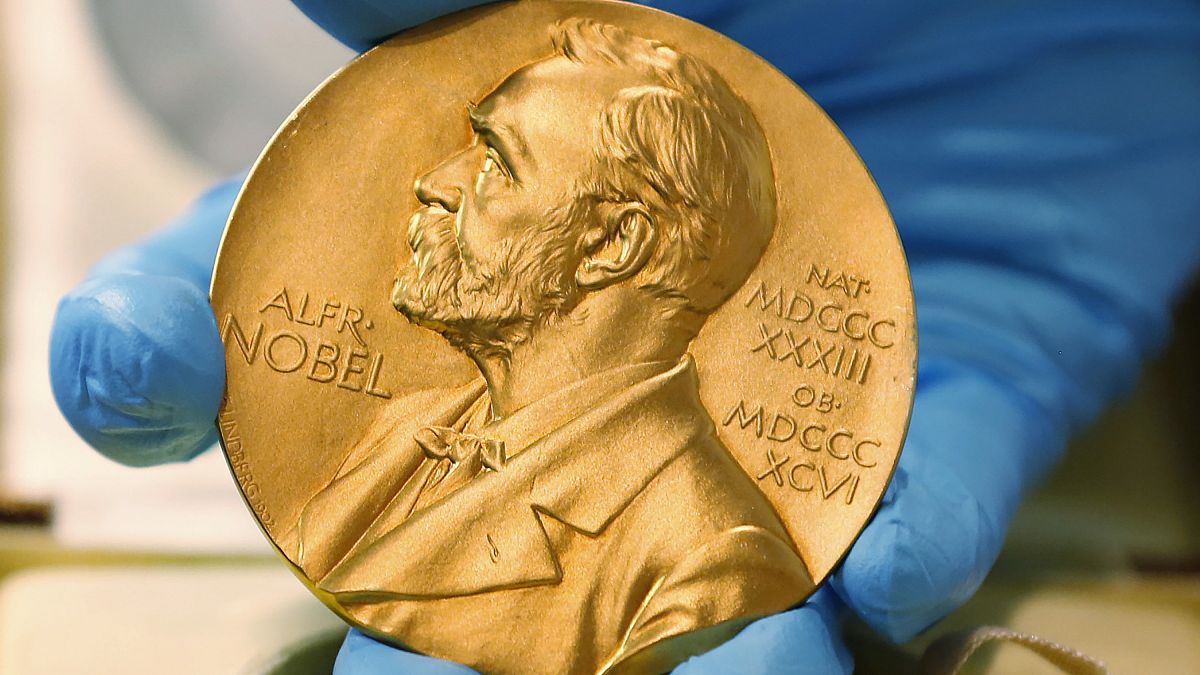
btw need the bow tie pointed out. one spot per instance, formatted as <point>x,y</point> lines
<point>457,446</point>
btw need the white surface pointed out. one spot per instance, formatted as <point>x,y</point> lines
<point>219,74</point>
<point>152,620</point>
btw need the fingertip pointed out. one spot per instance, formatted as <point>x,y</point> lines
<point>803,640</point>
<point>970,454</point>
<point>361,24</point>
<point>137,367</point>
<point>924,554</point>
<point>360,654</point>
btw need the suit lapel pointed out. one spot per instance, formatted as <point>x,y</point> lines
<point>483,537</point>
<point>489,535</point>
<point>600,462</point>
<point>384,467</point>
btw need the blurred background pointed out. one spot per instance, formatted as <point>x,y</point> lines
<point>116,113</point>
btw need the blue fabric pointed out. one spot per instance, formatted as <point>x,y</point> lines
<point>1042,161</point>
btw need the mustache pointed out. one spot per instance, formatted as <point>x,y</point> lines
<point>437,262</point>
<point>429,229</point>
<point>433,240</point>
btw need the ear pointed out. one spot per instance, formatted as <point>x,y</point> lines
<point>635,234</point>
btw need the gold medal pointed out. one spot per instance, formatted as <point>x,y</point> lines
<point>562,337</point>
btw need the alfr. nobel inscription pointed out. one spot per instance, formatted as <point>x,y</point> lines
<point>348,365</point>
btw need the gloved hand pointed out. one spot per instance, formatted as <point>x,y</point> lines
<point>1040,158</point>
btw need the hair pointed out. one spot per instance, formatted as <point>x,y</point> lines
<point>684,145</point>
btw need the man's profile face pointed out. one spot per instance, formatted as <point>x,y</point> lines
<point>494,246</point>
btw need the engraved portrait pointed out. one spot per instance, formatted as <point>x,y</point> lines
<point>575,495</point>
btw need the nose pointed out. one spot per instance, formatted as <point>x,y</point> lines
<point>440,186</point>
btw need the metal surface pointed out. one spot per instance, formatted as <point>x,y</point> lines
<point>630,367</point>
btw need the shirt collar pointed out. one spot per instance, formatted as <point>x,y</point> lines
<point>533,421</point>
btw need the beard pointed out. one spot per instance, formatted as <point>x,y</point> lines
<point>487,307</point>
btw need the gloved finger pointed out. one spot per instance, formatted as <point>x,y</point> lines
<point>136,361</point>
<point>137,367</point>
<point>361,24</point>
<point>942,522</point>
<point>360,655</point>
<point>804,640</point>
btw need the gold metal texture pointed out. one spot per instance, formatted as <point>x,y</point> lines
<point>562,337</point>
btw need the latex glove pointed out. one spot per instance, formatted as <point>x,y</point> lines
<point>136,361</point>
<point>1040,158</point>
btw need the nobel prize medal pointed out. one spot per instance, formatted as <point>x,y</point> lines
<point>562,337</point>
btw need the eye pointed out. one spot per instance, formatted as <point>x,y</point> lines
<point>493,164</point>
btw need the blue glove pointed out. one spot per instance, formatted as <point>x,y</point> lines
<point>136,361</point>
<point>1040,158</point>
